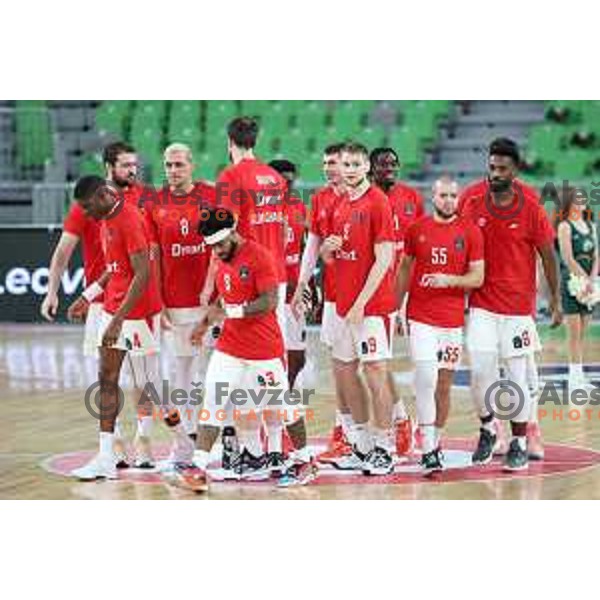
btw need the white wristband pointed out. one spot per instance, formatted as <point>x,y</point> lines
<point>234,311</point>
<point>92,291</point>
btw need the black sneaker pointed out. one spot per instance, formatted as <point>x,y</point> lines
<point>516,458</point>
<point>485,448</point>
<point>378,462</point>
<point>275,464</point>
<point>431,462</point>
<point>248,466</point>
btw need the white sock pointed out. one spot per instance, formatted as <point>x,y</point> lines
<point>144,426</point>
<point>438,436</point>
<point>274,436</point>
<point>338,418</point>
<point>250,439</point>
<point>346,421</point>
<point>362,437</point>
<point>201,458</point>
<point>384,439</point>
<point>428,437</point>
<point>118,430</point>
<point>106,444</point>
<point>399,413</point>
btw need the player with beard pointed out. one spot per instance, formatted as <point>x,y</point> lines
<point>121,166</point>
<point>406,204</point>
<point>443,258</point>
<point>323,204</point>
<point>515,229</point>
<point>248,355</point>
<point>173,218</point>
<point>362,245</point>
<point>130,318</point>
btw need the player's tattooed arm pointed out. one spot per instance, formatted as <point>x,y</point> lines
<point>550,266</point>
<point>266,302</point>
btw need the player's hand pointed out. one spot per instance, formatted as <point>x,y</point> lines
<point>112,332</point>
<point>165,322</point>
<point>215,314</point>
<point>436,280</point>
<point>356,315</point>
<point>557,315</point>
<point>332,244</point>
<point>77,312</point>
<point>198,333</point>
<point>49,307</point>
<point>301,302</point>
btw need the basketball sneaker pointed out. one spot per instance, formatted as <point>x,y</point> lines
<point>348,462</point>
<point>188,477</point>
<point>275,464</point>
<point>516,458</point>
<point>485,448</point>
<point>404,436</point>
<point>378,462</point>
<point>431,462</point>
<point>100,467</point>
<point>338,447</point>
<point>535,446</point>
<point>299,473</point>
<point>121,459</point>
<point>143,454</point>
<point>250,467</point>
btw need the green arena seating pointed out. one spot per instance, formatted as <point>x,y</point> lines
<point>33,136</point>
<point>295,129</point>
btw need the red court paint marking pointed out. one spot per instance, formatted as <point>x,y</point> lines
<point>560,459</point>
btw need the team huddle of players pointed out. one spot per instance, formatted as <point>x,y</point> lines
<point>228,268</point>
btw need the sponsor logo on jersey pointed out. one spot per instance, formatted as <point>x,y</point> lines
<point>459,243</point>
<point>244,272</point>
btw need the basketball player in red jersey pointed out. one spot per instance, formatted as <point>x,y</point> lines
<point>323,203</point>
<point>515,229</point>
<point>248,355</point>
<point>173,219</point>
<point>443,258</point>
<point>130,318</point>
<point>407,206</point>
<point>255,194</point>
<point>121,166</point>
<point>362,245</point>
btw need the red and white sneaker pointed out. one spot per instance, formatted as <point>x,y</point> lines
<point>404,436</point>
<point>188,477</point>
<point>535,445</point>
<point>338,447</point>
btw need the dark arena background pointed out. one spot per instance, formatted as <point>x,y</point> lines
<point>45,146</point>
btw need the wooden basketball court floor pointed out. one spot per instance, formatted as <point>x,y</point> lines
<point>45,429</point>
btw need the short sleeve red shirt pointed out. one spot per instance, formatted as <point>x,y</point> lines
<point>256,194</point>
<point>250,273</point>
<point>87,230</point>
<point>362,223</point>
<point>323,204</point>
<point>446,248</point>
<point>511,237</point>
<point>173,222</point>
<point>122,235</point>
